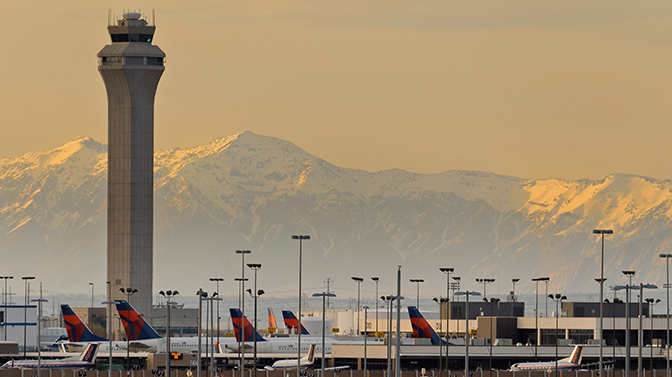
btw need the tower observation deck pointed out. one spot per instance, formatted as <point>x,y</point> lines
<point>131,67</point>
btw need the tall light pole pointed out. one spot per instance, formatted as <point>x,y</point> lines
<point>366,317</point>
<point>558,299</point>
<point>447,271</point>
<point>602,232</point>
<point>651,303</point>
<point>376,279</point>
<point>485,282</point>
<point>629,274</point>
<point>359,284</point>
<point>201,294</point>
<point>493,300</point>
<point>109,323</point>
<point>397,369</point>
<point>417,294</point>
<point>667,313</point>
<point>536,312</point>
<point>513,293</point>
<point>211,344</point>
<point>128,292</point>
<point>242,308</point>
<point>324,295</point>
<point>39,337</point>
<point>388,313</point>
<point>467,338</point>
<point>26,280</point>
<point>169,295</point>
<point>298,361</point>
<point>4,320</point>
<point>255,267</point>
<point>217,280</point>
<point>640,372</point>
<point>440,300</point>
<point>91,311</point>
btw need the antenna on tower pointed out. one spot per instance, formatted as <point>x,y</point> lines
<point>153,17</point>
<point>109,14</point>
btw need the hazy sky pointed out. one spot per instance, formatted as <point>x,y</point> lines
<point>534,89</point>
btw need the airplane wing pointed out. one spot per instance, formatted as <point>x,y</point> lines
<point>336,368</point>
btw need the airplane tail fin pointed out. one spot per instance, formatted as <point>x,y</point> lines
<point>271,320</point>
<point>250,333</point>
<point>422,328</point>
<point>576,356</point>
<point>311,354</point>
<point>89,353</point>
<point>77,330</point>
<point>135,326</point>
<point>292,322</point>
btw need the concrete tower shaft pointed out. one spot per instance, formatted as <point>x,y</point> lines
<point>131,68</point>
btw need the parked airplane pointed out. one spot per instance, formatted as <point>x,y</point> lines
<point>79,335</point>
<point>292,323</point>
<point>142,337</point>
<point>85,360</point>
<point>569,363</point>
<point>303,364</point>
<point>271,345</point>
<point>422,328</point>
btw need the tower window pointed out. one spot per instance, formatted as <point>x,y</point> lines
<point>121,38</point>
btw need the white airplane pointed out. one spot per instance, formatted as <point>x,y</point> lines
<point>143,338</point>
<point>569,363</point>
<point>272,345</point>
<point>85,360</point>
<point>302,364</point>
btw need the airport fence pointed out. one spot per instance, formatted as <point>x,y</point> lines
<point>317,373</point>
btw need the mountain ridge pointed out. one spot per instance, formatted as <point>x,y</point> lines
<point>251,191</point>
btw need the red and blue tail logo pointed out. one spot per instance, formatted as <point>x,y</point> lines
<point>77,330</point>
<point>250,333</point>
<point>292,322</point>
<point>422,328</point>
<point>135,326</point>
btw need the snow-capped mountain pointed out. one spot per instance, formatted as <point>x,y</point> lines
<point>247,191</point>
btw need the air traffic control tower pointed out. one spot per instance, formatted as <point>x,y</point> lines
<point>131,68</point>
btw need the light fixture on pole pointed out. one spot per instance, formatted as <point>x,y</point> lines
<point>376,279</point>
<point>300,237</point>
<point>667,313</point>
<point>359,284</point>
<point>602,232</point>
<point>467,337</point>
<point>255,267</point>
<point>536,312</point>
<point>417,295</point>
<point>558,299</point>
<point>4,320</point>
<point>26,279</point>
<point>485,282</point>
<point>324,296</point>
<point>217,280</point>
<point>447,271</point>
<point>168,295</point>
